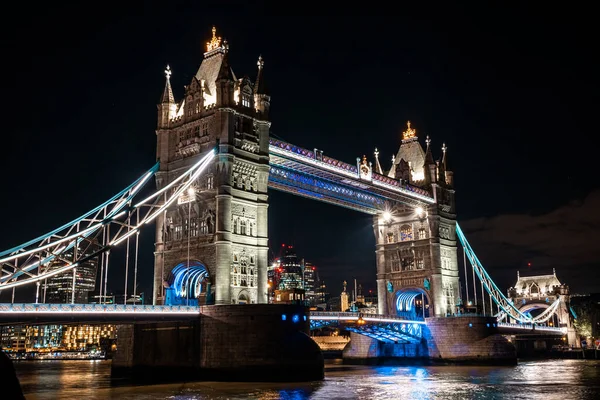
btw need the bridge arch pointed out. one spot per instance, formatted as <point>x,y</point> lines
<point>412,303</point>
<point>186,284</point>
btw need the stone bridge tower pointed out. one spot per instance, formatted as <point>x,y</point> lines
<point>416,244</point>
<point>540,292</point>
<point>221,227</point>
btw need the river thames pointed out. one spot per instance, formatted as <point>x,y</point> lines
<point>548,380</point>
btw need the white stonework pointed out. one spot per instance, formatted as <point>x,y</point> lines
<point>227,220</point>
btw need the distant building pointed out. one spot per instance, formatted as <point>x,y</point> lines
<point>59,288</point>
<point>291,274</point>
<point>12,338</point>
<point>311,283</point>
<point>290,296</point>
<point>40,338</point>
<point>344,304</point>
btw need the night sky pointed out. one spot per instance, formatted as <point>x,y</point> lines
<point>512,93</point>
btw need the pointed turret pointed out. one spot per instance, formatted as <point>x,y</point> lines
<point>429,165</point>
<point>262,101</point>
<point>225,81</point>
<point>167,96</point>
<point>377,164</point>
<point>167,107</point>
<point>448,174</point>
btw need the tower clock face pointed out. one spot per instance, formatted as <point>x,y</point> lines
<point>364,169</point>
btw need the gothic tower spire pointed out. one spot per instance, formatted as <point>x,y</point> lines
<point>377,164</point>
<point>167,107</point>
<point>167,97</point>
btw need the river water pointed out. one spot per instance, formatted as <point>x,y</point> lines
<point>548,380</point>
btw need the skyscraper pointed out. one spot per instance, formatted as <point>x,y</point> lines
<point>59,288</point>
<point>310,282</point>
<point>291,274</point>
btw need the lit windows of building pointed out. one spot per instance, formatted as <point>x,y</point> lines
<point>406,233</point>
<point>59,288</point>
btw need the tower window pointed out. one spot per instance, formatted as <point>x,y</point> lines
<point>422,233</point>
<point>209,182</point>
<point>178,232</point>
<point>390,237</point>
<point>243,227</point>
<point>205,129</point>
<point>197,131</point>
<point>406,233</point>
<point>246,100</point>
<point>203,227</point>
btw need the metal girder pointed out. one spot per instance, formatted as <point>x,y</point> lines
<point>94,233</point>
<point>341,181</point>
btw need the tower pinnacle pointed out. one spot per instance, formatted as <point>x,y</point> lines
<point>377,164</point>
<point>409,133</point>
<point>215,42</point>
<point>444,148</point>
<point>167,96</point>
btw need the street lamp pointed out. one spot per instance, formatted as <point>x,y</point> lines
<point>419,211</point>
<point>191,192</point>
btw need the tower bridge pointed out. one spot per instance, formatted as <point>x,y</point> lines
<point>215,165</point>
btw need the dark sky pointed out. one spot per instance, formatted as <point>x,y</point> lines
<point>511,91</point>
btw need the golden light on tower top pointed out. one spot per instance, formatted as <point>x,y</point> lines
<point>409,133</point>
<point>215,42</point>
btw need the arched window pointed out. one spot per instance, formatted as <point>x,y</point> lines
<point>390,237</point>
<point>422,233</point>
<point>406,233</point>
<point>242,227</point>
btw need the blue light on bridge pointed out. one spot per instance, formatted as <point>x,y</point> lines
<point>283,317</point>
<point>470,325</point>
<point>295,318</point>
<point>304,317</point>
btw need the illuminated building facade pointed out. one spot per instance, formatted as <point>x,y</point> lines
<point>59,288</point>
<point>85,337</point>
<point>13,338</point>
<point>43,337</point>
<point>220,228</point>
<point>36,338</point>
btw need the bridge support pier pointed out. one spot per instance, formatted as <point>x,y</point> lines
<point>227,343</point>
<point>461,340</point>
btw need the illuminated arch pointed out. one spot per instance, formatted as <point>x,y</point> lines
<point>405,301</point>
<point>192,279</point>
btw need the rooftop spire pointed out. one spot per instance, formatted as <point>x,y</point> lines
<point>167,96</point>
<point>428,155</point>
<point>259,85</point>
<point>377,165</point>
<point>409,133</point>
<point>444,148</point>
<point>215,42</point>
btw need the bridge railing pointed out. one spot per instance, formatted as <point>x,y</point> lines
<point>334,315</point>
<point>17,308</point>
<point>532,327</point>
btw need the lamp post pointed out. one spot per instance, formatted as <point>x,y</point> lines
<point>191,192</point>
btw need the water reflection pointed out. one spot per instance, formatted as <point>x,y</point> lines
<point>548,380</point>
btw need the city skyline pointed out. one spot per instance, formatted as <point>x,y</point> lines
<point>551,226</point>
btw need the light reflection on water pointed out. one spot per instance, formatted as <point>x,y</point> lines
<point>548,380</point>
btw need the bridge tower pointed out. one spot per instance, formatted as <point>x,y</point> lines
<point>541,292</point>
<point>221,226</point>
<point>415,244</point>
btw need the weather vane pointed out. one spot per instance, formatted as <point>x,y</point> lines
<point>168,72</point>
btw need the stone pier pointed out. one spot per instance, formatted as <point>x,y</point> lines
<point>227,343</point>
<point>461,340</point>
